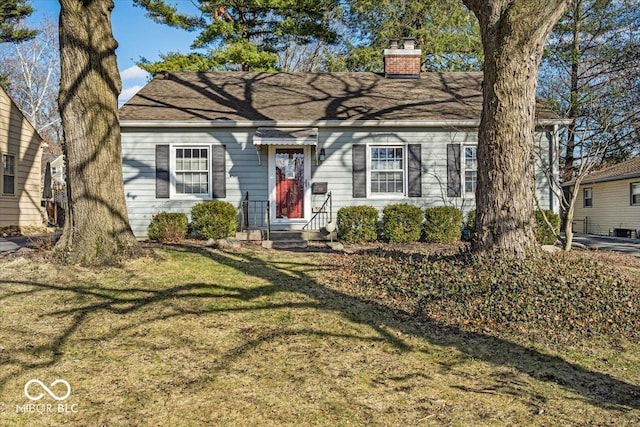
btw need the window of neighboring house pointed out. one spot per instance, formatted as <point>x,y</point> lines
<point>470,169</point>
<point>192,170</point>
<point>8,174</point>
<point>387,169</point>
<point>587,197</point>
<point>635,194</point>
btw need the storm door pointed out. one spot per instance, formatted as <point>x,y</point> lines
<point>290,183</point>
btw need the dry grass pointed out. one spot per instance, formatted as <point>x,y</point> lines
<point>205,337</point>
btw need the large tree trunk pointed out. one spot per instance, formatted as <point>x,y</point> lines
<point>513,36</point>
<point>97,228</point>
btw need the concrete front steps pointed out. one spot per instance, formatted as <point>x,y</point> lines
<point>286,239</point>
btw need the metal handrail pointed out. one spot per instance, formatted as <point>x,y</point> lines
<point>255,214</point>
<point>322,216</point>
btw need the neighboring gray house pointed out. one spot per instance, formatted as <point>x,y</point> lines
<point>293,138</point>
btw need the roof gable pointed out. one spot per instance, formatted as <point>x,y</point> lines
<point>308,97</point>
<point>13,106</point>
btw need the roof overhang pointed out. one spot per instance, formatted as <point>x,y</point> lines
<point>605,179</point>
<point>285,136</point>
<point>449,124</point>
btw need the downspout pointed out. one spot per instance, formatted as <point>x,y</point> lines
<point>554,161</point>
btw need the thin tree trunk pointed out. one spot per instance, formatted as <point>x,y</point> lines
<point>513,35</point>
<point>568,171</point>
<point>570,212</point>
<point>97,228</point>
<point>568,233</point>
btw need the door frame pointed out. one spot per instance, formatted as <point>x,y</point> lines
<point>306,209</point>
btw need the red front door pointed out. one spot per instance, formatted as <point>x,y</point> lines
<point>289,183</point>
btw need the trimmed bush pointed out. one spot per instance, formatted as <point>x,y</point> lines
<point>544,234</point>
<point>214,219</point>
<point>443,224</point>
<point>357,223</point>
<point>168,227</point>
<point>401,223</point>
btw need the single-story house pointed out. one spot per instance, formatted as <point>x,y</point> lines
<point>294,139</point>
<point>609,202</point>
<point>20,171</point>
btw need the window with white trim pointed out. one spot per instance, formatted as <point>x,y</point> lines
<point>635,194</point>
<point>191,169</point>
<point>387,169</point>
<point>8,174</point>
<point>587,197</point>
<point>470,169</point>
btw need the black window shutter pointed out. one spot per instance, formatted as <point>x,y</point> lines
<point>415,171</point>
<point>454,183</point>
<point>218,171</point>
<point>359,170</point>
<point>162,172</point>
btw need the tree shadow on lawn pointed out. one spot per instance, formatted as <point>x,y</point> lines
<point>596,388</point>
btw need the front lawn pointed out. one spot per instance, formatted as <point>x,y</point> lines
<point>195,337</point>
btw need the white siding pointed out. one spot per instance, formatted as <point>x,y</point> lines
<point>611,208</point>
<point>245,174</point>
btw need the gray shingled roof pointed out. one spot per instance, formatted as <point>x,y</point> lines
<point>624,170</point>
<point>308,97</point>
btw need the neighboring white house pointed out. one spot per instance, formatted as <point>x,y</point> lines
<point>293,138</point>
<point>609,202</point>
<point>58,176</point>
<point>20,153</point>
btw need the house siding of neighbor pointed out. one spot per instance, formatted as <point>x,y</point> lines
<point>372,139</point>
<point>20,159</point>
<point>609,201</point>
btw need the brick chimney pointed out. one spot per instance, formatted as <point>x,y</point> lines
<point>402,63</point>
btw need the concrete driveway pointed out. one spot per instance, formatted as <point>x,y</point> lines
<point>12,244</point>
<point>605,243</point>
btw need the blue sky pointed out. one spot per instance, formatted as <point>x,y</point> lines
<point>137,36</point>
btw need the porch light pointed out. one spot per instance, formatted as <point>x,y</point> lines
<point>323,154</point>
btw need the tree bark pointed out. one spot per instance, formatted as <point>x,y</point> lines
<point>97,230</point>
<point>513,36</point>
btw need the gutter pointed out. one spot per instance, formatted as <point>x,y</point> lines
<point>451,124</point>
<point>607,179</point>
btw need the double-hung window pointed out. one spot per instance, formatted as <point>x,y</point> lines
<point>387,174</point>
<point>8,174</point>
<point>191,171</point>
<point>587,197</point>
<point>470,169</point>
<point>635,194</point>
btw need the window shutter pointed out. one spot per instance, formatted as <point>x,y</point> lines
<point>162,172</point>
<point>359,170</point>
<point>454,183</point>
<point>415,171</point>
<point>219,171</point>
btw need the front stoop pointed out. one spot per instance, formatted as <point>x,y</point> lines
<point>290,239</point>
<point>286,239</point>
<point>249,235</point>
